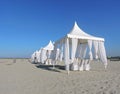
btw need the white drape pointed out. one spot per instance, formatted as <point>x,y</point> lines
<point>43,55</point>
<point>33,57</point>
<point>95,43</point>
<point>37,56</point>
<point>39,53</point>
<point>57,54</point>
<point>78,50</point>
<point>47,53</point>
<point>90,49</point>
<point>102,53</point>
<point>61,52</point>
<point>74,48</point>
<point>83,49</point>
<point>67,54</point>
<point>55,48</point>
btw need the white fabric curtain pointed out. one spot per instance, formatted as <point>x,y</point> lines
<point>54,51</point>
<point>102,53</point>
<point>90,49</point>
<point>57,54</point>
<point>33,57</point>
<point>78,50</point>
<point>61,51</point>
<point>95,43</point>
<point>67,54</point>
<point>83,49</point>
<point>74,48</point>
<point>39,55</point>
<point>52,55</point>
<point>49,54</point>
<point>43,55</point>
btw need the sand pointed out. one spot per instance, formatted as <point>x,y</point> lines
<point>19,76</point>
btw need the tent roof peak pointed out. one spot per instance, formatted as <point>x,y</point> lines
<point>77,32</point>
<point>50,46</point>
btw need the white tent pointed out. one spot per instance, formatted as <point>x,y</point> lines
<point>75,44</point>
<point>35,56</point>
<point>46,52</point>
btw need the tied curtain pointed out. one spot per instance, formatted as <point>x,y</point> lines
<point>57,54</point>
<point>55,50</point>
<point>95,43</point>
<point>83,49</point>
<point>43,55</point>
<point>61,51</point>
<point>38,56</point>
<point>90,49</point>
<point>48,53</point>
<point>74,48</point>
<point>102,53</point>
<point>67,53</point>
<point>33,57</point>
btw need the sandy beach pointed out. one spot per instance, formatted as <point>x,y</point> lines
<point>19,76</point>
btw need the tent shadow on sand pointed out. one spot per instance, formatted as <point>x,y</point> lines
<point>57,68</point>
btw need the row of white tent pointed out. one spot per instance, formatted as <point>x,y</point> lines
<point>43,54</point>
<point>77,48</point>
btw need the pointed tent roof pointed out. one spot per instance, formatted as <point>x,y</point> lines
<point>76,32</point>
<point>50,46</point>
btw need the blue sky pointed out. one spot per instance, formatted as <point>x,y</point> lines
<point>28,25</point>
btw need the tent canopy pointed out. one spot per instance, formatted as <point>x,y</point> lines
<point>78,33</point>
<point>50,46</point>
